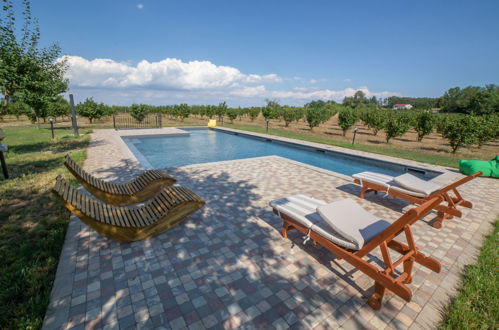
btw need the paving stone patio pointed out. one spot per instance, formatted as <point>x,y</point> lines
<point>228,267</point>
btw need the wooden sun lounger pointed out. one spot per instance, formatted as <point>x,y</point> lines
<point>445,210</point>
<point>143,187</point>
<point>386,278</point>
<point>168,208</point>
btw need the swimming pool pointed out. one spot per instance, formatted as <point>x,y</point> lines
<point>207,145</point>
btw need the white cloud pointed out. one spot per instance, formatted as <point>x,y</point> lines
<point>172,81</point>
<point>169,73</point>
<point>140,5</point>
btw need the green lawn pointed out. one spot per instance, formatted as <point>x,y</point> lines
<point>477,304</point>
<point>32,222</point>
<point>447,161</point>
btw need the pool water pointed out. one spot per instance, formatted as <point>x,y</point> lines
<point>204,146</point>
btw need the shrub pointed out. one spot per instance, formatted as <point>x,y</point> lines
<point>347,119</point>
<point>288,114</point>
<point>317,113</point>
<point>90,109</point>
<point>396,125</point>
<point>424,124</point>
<point>461,131</point>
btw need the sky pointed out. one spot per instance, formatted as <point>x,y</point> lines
<point>244,52</point>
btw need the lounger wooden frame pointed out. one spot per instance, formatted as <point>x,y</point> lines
<point>168,208</point>
<point>444,211</point>
<point>384,278</point>
<point>141,188</point>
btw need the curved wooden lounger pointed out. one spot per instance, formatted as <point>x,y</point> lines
<point>385,278</point>
<point>143,187</point>
<point>168,208</point>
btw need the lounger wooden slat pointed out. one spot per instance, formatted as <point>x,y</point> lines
<point>385,278</point>
<point>447,209</point>
<point>142,188</point>
<point>126,223</point>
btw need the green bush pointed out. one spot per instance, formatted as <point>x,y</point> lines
<point>396,125</point>
<point>346,119</point>
<point>289,114</point>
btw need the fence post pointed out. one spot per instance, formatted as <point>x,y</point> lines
<point>73,114</point>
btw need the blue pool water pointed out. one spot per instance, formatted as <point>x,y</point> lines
<point>204,145</point>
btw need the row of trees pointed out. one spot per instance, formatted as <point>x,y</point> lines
<point>469,100</point>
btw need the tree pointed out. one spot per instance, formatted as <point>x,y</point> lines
<point>374,118</point>
<point>356,100</point>
<point>90,109</point>
<point>183,111</point>
<point>347,119</point>
<point>138,112</point>
<point>471,100</point>
<point>58,107</point>
<point>28,73</point>
<point>289,114</point>
<point>461,131</point>
<point>488,129</point>
<point>254,113</point>
<point>232,113</point>
<point>396,125</point>
<point>318,112</point>
<point>221,109</point>
<point>424,124</point>
<point>271,111</point>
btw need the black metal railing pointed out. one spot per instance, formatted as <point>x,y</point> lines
<point>125,120</point>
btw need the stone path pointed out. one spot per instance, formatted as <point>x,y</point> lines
<point>228,267</point>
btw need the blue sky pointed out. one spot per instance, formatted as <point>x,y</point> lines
<point>247,51</point>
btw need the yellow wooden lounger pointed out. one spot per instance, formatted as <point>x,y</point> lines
<point>143,187</point>
<point>168,208</point>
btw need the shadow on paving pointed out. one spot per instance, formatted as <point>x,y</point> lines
<point>223,266</point>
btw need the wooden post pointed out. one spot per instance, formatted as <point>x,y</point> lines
<point>3,147</point>
<point>73,115</point>
<point>114,121</point>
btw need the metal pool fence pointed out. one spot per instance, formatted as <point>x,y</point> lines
<point>125,120</point>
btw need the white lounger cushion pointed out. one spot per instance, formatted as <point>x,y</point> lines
<point>303,209</point>
<point>385,181</point>
<point>351,221</point>
<point>414,183</point>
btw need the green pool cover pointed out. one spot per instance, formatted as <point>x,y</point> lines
<point>489,168</point>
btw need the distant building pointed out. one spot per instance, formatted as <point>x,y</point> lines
<point>402,106</point>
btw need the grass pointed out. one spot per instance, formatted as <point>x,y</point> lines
<point>477,303</point>
<point>388,150</point>
<point>32,222</point>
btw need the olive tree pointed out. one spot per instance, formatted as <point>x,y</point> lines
<point>232,113</point>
